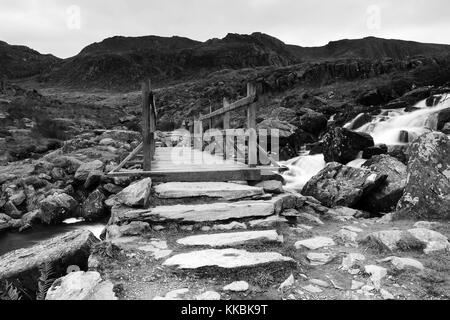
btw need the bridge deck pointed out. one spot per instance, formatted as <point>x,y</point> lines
<point>188,164</point>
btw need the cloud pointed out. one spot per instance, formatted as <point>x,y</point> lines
<point>42,24</point>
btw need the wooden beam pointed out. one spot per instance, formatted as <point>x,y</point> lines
<point>198,135</point>
<point>226,115</point>
<point>146,126</point>
<point>252,148</point>
<point>196,176</point>
<point>127,159</point>
<point>233,106</point>
<point>153,115</point>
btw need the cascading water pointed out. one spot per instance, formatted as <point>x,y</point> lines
<point>391,127</point>
<point>388,127</point>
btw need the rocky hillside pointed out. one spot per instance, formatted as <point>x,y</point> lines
<point>121,62</point>
<point>21,61</point>
<point>369,48</point>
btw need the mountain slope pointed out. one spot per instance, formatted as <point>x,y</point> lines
<point>369,48</point>
<point>21,61</point>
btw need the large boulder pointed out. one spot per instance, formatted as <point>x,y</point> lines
<point>135,195</point>
<point>94,208</point>
<point>86,168</point>
<point>427,191</point>
<point>57,208</point>
<point>339,185</point>
<point>443,118</point>
<point>387,195</point>
<point>291,138</point>
<point>21,267</point>
<point>343,145</point>
<point>81,286</point>
<point>313,122</point>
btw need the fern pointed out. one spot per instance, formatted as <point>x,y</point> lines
<point>10,293</point>
<point>45,280</point>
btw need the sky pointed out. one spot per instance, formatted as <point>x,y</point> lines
<point>64,27</point>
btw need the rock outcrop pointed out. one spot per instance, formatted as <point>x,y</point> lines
<point>57,207</point>
<point>386,196</point>
<point>343,145</point>
<point>427,191</point>
<point>339,185</point>
<point>21,267</point>
<point>81,286</point>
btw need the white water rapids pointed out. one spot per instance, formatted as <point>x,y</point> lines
<point>385,128</point>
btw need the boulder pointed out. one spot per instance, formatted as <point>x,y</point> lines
<point>137,194</point>
<point>446,128</point>
<point>400,152</point>
<point>94,208</point>
<point>427,191</point>
<point>271,186</point>
<point>81,286</point>
<point>443,118</point>
<point>375,151</point>
<point>386,196</point>
<point>339,185</point>
<point>57,208</point>
<point>21,267</point>
<point>403,240</point>
<point>93,180</point>
<point>343,145</point>
<point>313,122</point>
<point>11,210</point>
<point>86,168</point>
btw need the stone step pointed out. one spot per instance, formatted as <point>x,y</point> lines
<point>231,239</point>
<point>213,190</point>
<point>206,213</point>
<point>225,259</point>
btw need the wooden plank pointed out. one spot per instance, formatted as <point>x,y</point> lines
<point>226,115</point>
<point>196,176</point>
<point>252,148</point>
<point>198,135</point>
<point>128,158</point>
<point>233,106</point>
<point>146,126</point>
<point>153,119</point>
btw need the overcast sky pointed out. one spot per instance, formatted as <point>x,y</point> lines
<point>64,27</point>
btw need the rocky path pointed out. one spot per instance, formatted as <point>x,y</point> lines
<point>232,241</point>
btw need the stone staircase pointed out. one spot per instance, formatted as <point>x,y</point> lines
<point>214,218</point>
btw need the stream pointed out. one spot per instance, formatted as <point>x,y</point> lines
<point>14,240</point>
<point>390,127</point>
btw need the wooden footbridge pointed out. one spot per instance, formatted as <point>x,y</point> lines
<point>215,155</point>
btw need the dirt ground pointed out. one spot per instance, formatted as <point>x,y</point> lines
<point>138,276</point>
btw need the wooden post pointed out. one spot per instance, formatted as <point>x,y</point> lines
<point>251,126</point>
<point>210,119</point>
<point>252,148</point>
<point>152,125</point>
<point>226,116</point>
<point>198,135</point>
<point>146,135</point>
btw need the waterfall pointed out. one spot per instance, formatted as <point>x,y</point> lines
<point>390,127</point>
